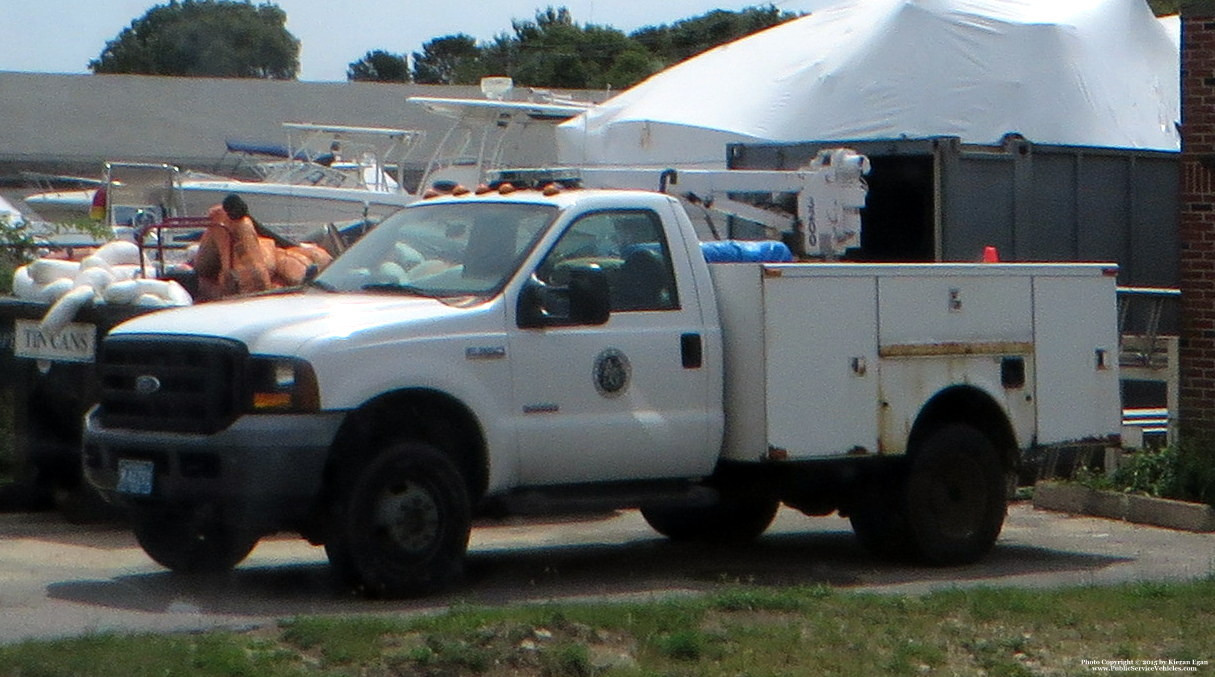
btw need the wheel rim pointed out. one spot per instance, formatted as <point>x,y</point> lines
<point>407,517</point>
<point>954,499</point>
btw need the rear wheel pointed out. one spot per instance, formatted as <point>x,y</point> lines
<point>403,523</point>
<point>955,496</point>
<point>734,519</point>
<point>191,541</point>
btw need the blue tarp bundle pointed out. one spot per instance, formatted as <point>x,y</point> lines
<point>273,150</point>
<point>746,251</point>
<point>256,148</point>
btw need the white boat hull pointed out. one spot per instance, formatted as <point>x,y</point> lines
<point>291,205</point>
<point>288,208</point>
<point>61,206</point>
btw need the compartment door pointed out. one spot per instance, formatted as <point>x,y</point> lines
<point>821,345</point>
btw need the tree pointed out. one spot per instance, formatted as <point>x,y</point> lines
<point>449,60</point>
<point>686,38</point>
<point>500,56</point>
<point>632,66</point>
<point>379,66</point>
<point>548,51</point>
<point>214,38</point>
<point>553,51</point>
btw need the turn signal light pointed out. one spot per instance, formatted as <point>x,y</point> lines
<point>263,401</point>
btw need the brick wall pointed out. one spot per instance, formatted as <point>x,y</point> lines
<point>1197,228</point>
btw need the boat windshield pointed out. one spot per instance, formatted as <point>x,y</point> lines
<point>441,250</point>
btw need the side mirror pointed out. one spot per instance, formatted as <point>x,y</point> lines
<point>586,300</point>
<point>530,312</point>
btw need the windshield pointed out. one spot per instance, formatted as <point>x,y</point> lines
<point>442,249</point>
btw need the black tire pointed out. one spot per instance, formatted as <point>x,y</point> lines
<point>191,542</point>
<point>403,523</point>
<point>955,496</point>
<point>734,519</point>
<point>341,563</point>
<point>879,517</point>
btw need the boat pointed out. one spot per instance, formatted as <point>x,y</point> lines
<point>326,173</point>
<point>63,198</point>
<point>355,184</point>
<point>332,173</point>
<point>495,133</point>
<point>337,173</point>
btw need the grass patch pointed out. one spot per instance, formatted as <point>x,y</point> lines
<point>739,631</point>
<point>344,642</point>
<point>209,654</point>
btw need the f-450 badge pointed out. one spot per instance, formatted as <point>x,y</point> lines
<point>612,372</point>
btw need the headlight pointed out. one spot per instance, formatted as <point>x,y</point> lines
<point>282,385</point>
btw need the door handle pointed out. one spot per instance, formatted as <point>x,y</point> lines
<point>691,350</point>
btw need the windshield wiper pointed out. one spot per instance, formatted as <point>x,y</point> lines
<point>320,285</point>
<point>398,287</point>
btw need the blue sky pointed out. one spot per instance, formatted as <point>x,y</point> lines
<point>61,36</point>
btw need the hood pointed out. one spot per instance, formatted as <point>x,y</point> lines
<point>281,324</point>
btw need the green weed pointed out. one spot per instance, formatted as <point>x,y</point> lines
<point>739,631</point>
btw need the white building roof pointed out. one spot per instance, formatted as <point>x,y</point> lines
<point>1071,72</point>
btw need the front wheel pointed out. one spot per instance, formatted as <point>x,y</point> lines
<point>403,524</point>
<point>734,519</point>
<point>191,541</point>
<point>955,496</point>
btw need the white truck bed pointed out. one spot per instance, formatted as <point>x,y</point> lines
<point>809,375</point>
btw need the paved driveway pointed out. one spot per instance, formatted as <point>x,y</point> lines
<point>58,579</point>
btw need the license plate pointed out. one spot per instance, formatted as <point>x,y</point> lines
<point>135,477</point>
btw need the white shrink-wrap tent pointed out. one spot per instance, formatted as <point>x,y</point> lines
<point>1070,72</point>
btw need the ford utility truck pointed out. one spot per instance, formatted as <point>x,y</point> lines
<point>565,350</point>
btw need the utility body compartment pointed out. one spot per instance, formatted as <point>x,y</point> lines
<point>839,359</point>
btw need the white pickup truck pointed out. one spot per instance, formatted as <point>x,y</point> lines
<point>573,350</point>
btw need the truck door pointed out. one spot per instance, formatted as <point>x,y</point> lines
<point>627,399</point>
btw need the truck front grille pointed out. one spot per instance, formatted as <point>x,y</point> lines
<point>171,383</point>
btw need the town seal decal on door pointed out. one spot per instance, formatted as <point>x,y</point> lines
<point>612,372</point>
